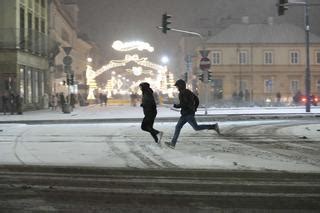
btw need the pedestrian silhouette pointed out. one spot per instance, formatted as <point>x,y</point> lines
<point>150,112</point>
<point>189,103</point>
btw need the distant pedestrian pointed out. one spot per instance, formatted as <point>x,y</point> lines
<point>150,112</point>
<point>278,96</point>
<point>101,99</point>
<point>62,100</point>
<point>105,99</point>
<point>73,100</point>
<point>189,103</point>
<point>19,104</point>
<point>5,100</point>
<point>12,103</point>
<point>54,102</point>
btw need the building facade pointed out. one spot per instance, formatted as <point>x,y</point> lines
<point>261,63</point>
<point>64,30</point>
<point>24,50</point>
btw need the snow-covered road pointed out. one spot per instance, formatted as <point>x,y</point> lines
<point>288,145</point>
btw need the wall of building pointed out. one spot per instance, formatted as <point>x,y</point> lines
<point>23,51</point>
<point>255,73</point>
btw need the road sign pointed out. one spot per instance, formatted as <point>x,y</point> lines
<point>67,50</point>
<point>67,60</point>
<point>205,63</point>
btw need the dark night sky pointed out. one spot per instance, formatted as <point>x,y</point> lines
<point>105,21</point>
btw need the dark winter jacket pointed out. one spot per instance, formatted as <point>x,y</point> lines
<point>189,102</point>
<point>148,103</point>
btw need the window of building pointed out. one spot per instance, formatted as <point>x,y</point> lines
<point>43,26</point>
<point>29,86</point>
<point>22,28</point>
<point>243,57</point>
<point>41,85</point>
<point>318,57</point>
<point>216,57</point>
<point>318,86</point>
<point>268,57</point>
<point>65,35</point>
<point>268,86</point>
<point>29,20</point>
<point>35,88</point>
<point>22,79</point>
<point>294,57</point>
<point>294,86</point>
<point>43,3</point>
<point>36,24</point>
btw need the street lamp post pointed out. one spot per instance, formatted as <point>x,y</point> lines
<point>307,78</point>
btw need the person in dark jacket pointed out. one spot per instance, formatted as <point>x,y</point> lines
<point>12,103</point>
<point>5,100</point>
<point>150,112</point>
<point>189,103</point>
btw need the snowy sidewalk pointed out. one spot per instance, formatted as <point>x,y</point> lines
<point>128,112</point>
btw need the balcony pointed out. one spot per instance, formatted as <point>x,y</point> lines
<point>25,40</point>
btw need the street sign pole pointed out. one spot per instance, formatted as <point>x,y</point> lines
<point>67,61</point>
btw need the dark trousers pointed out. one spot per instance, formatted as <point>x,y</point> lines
<point>192,121</point>
<point>4,108</point>
<point>147,125</point>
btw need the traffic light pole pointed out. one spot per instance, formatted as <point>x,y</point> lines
<point>306,5</point>
<point>206,75</point>
<point>307,78</point>
<point>184,31</point>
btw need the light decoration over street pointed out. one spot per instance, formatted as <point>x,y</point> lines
<point>159,83</point>
<point>127,46</point>
<point>120,85</point>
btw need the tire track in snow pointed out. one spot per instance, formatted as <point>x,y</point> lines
<point>266,134</point>
<point>148,162</point>
<point>19,140</point>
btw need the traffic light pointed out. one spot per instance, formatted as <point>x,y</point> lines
<point>165,23</point>
<point>201,77</point>
<point>185,76</point>
<point>210,76</point>
<point>71,80</point>
<point>282,7</point>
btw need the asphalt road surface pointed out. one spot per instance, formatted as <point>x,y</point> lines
<point>61,189</point>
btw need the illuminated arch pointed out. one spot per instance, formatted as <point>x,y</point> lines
<point>91,74</point>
